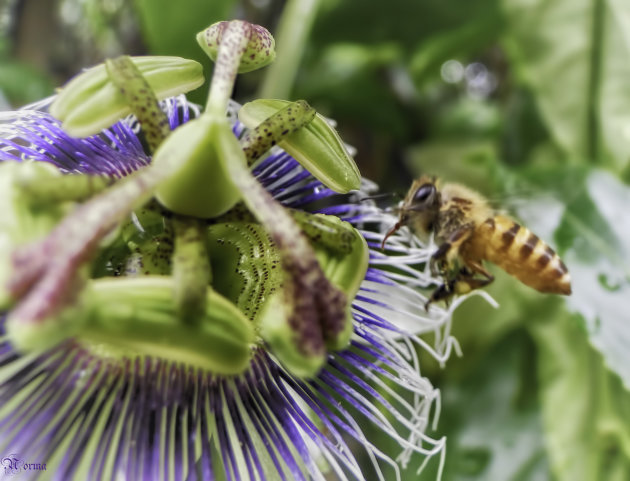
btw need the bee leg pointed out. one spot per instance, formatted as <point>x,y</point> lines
<point>466,280</point>
<point>463,282</point>
<point>441,258</point>
<point>443,292</point>
<point>475,282</point>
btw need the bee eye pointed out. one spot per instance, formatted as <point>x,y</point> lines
<point>424,194</point>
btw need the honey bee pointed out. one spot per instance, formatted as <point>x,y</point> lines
<point>469,232</point>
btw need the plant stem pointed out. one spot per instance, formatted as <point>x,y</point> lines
<point>293,30</point>
<point>594,86</point>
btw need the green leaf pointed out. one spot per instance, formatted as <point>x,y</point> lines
<point>491,416</point>
<point>23,84</point>
<point>586,410</point>
<point>614,107</point>
<point>599,262</point>
<point>574,56</point>
<point>587,214</point>
<point>169,27</point>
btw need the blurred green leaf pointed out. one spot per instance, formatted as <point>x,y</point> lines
<point>169,28</point>
<point>599,261</point>
<point>408,22</point>
<point>353,82</point>
<point>491,416</point>
<point>473,162</point>
<point>456,43</point>
<point>586,411</point>
<point>585,213</point>
<point>575,57</point>
<point>22,84</point>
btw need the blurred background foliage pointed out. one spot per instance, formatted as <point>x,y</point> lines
<point>527,101</point>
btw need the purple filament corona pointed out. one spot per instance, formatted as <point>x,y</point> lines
<point>147,418</point>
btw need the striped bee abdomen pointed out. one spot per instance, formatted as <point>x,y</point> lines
<point>522,254</point>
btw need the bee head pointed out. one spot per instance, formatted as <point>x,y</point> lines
<point>420,208</point>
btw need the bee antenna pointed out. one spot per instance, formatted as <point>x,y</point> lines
<point>380,196</point>
<point>389,233</point>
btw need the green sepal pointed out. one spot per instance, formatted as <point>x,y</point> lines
<point>199,186</point>
<point>279,335</point>
<point>346,271</point>
<point>90,102</point>
<point>260,51</point>
<point>23,221</point>
<point>317,146</point>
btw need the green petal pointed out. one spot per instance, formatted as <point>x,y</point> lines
<point>317,146</point>
<point>90,102</point>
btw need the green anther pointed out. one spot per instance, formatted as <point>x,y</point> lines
<point>130,317</point>
<point>63,188</point>
<point>317,146</point>
<point>279,334</point>
<point>326,230</point>
<point>191,268</point>
<point>246,265</point>
<point>90,102</point>
<point>259,52</point>
<point>140,98</point>
<point>278,126</point>
<point>346,271</point>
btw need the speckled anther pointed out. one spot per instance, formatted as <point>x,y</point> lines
<point>64,188</point>
<point>140,98</point>
<point>268,133</point>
